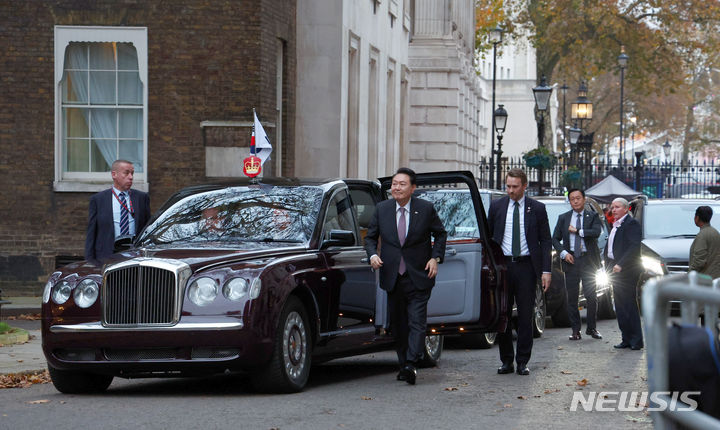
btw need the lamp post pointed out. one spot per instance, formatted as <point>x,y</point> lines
<point>585,147</point>
<point>564,89</point>
<point>499,121</point>
<point>574,136</point>
<point>580,110</point>
<point>496,35</point>
<point>622,62</point>
<point>633,120</point>
<point>542,97</point>
<point>666,149</point>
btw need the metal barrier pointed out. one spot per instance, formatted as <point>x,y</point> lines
<point>695,291</point>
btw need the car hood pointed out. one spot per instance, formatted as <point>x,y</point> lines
<point>671,249</point>
<point>197,257</point>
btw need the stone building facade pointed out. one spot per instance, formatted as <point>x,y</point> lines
<point>170,85</point>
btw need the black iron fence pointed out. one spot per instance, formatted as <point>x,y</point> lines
<point>654,179</point>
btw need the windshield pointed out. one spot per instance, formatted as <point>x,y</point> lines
<point>239,214</point>
<point>663,220</point>
<point>554,210</point>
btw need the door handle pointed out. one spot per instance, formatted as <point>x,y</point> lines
<point>451,252</point>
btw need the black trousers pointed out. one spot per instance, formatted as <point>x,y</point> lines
<point>626,306</point>
<point>408,316</point>
<point>522,283</point>
<point>583,270</point>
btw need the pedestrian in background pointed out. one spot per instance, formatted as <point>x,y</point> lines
<point>520,226</point>
<point>622,256</point>
<point>409,264</point>
<point>575,239</point>
<point>705,249</point>
<point>115,212</point>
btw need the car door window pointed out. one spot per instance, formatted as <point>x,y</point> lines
<point>339,215</point>
<point>456,211</point>
<point>364,206</point>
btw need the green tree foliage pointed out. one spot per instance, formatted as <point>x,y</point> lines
<point>674,49</point>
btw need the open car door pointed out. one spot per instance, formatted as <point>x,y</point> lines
<point>470,290</point>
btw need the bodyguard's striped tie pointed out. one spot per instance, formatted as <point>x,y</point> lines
<point>124,222</point>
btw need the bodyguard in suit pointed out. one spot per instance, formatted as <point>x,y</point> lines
<point>520,225</point>
<point>118,211</point>
<point>622,255</point>
<point>575,239</point>
<point>408,263</point>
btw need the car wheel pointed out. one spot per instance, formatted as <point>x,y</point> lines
<point>478,340</point>
<point>74,382</point>
<point>289,367</point>
<point>606,307</point>
<point>540,312</point>
<point>433,350</point>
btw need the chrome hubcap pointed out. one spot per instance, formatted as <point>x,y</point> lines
<point>432,343</point>
<point>294,345</point>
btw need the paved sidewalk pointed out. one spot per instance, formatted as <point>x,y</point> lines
<point>24,357</point>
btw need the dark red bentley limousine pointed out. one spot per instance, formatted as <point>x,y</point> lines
<point>263,278</point>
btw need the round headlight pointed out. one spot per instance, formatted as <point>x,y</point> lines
<point>255,288</point>
<point>86,293</point>
<point>61,292</point>
<point>203,291</point>
<point>46,291</point>
<point>236,289</point>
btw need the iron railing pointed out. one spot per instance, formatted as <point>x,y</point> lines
<point>654,179</point>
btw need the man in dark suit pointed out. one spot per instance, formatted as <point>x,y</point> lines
<point>408,266</point>
<point>520,226</point>
<point>575,239</point>
<point>622,255</point>
<point>115,212</point>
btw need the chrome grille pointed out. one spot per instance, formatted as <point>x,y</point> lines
<point>678,267</point>
<point>140,295</point>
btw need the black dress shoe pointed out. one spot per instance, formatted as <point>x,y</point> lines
<point>575,336</point>
<point>407,374</point>
<point>621,345</point>
<point>523,369</point>
<point>594,334</point>
<point>506,368</point>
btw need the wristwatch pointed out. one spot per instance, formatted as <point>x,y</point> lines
<point>437,259</point>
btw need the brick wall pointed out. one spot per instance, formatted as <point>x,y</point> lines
<point>207,60</point>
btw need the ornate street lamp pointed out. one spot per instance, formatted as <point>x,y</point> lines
<point>574,133</point>
<point>496,35</point>
<point>622,62</point>
<point>633,120</point>
<point>666,149</point>
<point>582,108</point>
<point>542,97</point>
<point>500,121</point>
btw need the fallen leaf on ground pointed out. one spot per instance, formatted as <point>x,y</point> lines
<point>29,317</point>
<point>366,398</point>
<point>507,405</point>
<point>450,389</point>
<point>37,402</point>
<point>24,380</point>
<point>548,391</point>
<point>522,397</point>
<point>566,372</point>
<point>560,348</point>
<point>583,382</point>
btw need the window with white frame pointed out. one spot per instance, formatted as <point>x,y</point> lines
<point>101,104</point>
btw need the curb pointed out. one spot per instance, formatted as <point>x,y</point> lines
<point>19,336</point>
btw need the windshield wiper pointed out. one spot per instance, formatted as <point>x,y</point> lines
<point>674,236</point>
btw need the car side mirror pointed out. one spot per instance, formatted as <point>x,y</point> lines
<point>339,238</point>
<point>123,243</point>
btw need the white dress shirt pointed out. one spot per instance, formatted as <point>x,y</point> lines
<point>611,238</point>
<point>116,213</point>
<point>573,236</point>
<point>507,234</point>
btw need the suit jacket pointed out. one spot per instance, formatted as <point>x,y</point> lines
<point>100,239</point>
<point>591,231</point>
<point>417,249</point>
<point>705,252</point>
<point>626,244</point>
<point>537,230</point>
